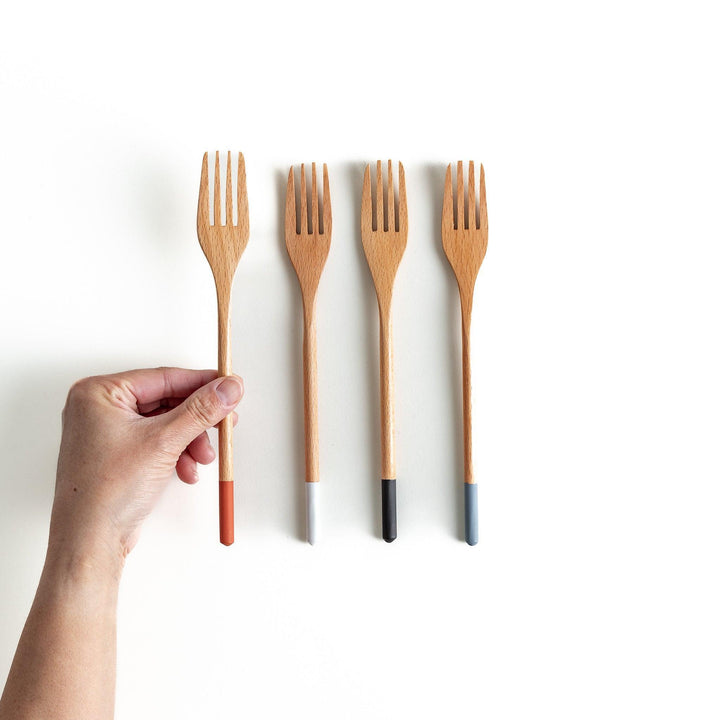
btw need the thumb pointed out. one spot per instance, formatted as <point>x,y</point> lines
<point>206,407</point>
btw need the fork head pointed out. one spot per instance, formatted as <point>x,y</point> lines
<point>308,229</point>
<point>465,225</point>
<point>384,227</point>
<point>223,243</point>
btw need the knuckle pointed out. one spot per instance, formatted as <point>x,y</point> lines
<point>80,399</point>
<point>166,378</point>
<point>80,391</point>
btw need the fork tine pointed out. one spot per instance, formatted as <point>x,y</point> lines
<point>216,190</point>
<point>242,201</point>
<point>483,224</point>
<point>314,201</point>
<point>390,200</point>
<point>290,212</point>
<point>447,212</point>
<point>327,212</point>
<point>471,196</point>
<point>460,197</point>
<point>402,201</point>
<point>228,194</point>
<point>366,208</point>
<point>379,210</point>
<point>303,202</point>
<point>203,202</point>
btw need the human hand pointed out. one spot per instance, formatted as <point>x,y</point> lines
<point>123,436</point>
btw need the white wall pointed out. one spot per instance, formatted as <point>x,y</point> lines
<point>594,590</point>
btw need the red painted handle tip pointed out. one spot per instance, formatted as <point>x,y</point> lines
<point>227,513</point>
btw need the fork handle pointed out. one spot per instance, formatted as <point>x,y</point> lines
<point>312,446</point>
<point>470,493</point>
<point>225,429</point>
<point>387,396</point>
<point>387,427</point>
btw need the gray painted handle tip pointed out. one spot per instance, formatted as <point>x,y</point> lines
<point>471,514</point>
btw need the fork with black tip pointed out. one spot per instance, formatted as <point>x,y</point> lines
<point>384,230</point>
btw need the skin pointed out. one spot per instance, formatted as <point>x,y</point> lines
<point>124,437</point>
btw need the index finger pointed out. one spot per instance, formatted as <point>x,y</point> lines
<point>153,384</point>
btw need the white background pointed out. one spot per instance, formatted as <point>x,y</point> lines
<point>594,590</point>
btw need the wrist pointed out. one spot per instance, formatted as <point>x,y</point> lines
<point>92,560</point>
<point>78,587</point>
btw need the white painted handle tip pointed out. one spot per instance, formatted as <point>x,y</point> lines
<point>311,490</point>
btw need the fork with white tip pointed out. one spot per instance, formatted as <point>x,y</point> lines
<point>307,237</point>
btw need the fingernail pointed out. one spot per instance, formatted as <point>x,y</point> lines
<point>229,391</point>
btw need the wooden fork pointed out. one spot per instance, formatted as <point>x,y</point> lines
<point>384,229</point>
<point>223,245</point>
<point>308,242</point>
<point>464,238</point>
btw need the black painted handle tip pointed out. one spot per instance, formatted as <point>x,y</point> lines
<point>389,511</point>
